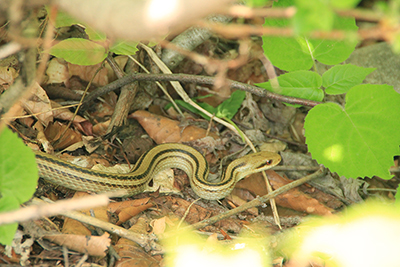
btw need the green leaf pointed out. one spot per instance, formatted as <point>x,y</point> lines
<point>229,107</point>
<point>313,15</point>
<point>226,109</point>
<point>189,107</point>
<point>63,19</point>
<point>396,44</point>
<point>330,52</point>
<point>124,48</point>
<point>344,4</point>
<point>7,231</point>
<point>301,84</point>
<point>360,140</point>
<point>95,35</point>
<point>18,177</point>
<point>290,54</point>
<point>257,3</point>
<point>19,173</point>
<point>339,79</point>
<point>79,51</point>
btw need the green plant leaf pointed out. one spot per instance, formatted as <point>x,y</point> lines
<point>299,53</point>
<point>95,35</point>
<point>124,48</point>
<point>63,19</point>
<point>189,107</point>
<point>360,140</point>
<point>229,107</point>
<point>18,175</point>
<point>301,84</point>
<point>226,109</point>
<point>257,3</point>
<point>332,52</point>
<point>312,15</point>
<point>344,4</point>
<point>79,51</point>
<point>7,231</point>
<point>339,79</point>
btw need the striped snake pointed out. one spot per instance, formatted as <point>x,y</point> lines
<point>170,155</point>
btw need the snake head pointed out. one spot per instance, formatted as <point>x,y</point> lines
<point>254,163</point>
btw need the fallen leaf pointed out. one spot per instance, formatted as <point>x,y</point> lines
<point>92,245</point>
<point>164,130</point>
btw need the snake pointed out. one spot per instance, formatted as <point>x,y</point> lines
<point>155,160</point>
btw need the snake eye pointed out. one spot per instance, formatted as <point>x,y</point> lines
<point>266,163</point>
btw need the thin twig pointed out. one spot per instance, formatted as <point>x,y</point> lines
<point>36,211</point>
<point>206,80</point>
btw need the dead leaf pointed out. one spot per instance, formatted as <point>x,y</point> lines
<point>131,253</point>
<point>72,226</point>
<point>39,105</point>
<point>92,245</point>
<point>86,73</point>
<point>164,130</point>
<point>132,211</point>
<point>239,201</point>
<point>67,115</point>
<point>101,128</point>
<point>116,207</point>
<point>159,225</point>
<point>293,199</point>
<point>57,71</point>
<point>54,133</point>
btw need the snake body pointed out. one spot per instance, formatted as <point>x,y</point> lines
<point>170,155</point>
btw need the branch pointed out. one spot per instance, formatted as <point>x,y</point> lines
<point>206,80</point>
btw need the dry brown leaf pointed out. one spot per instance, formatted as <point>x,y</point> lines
<point>239,201</point>
<point>72,226</point>
<point>116,207</point>
<point>131,253</point>
<point>129,212</point>
<point>75,227</point>
<point>293,199</point>
<point>40,105</point>
<point>100,128</point>
<point>159,225</point>
<point>196,213</point>
<point>86,73</point>
<point>121,62</point>
<point>164,130</point>
<point>54,133</point>
<point>67,115</point>
<point>92,245</point>
<point>57,71</point>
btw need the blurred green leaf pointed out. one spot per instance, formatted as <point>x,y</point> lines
<point>63,19</point>
<point>312,15</point>
<point>344,4</point>
<point>299,53</point>
<point>95,35</point>
<point>18,177</point>
<point>124,48</point>
<point>79,51</point>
